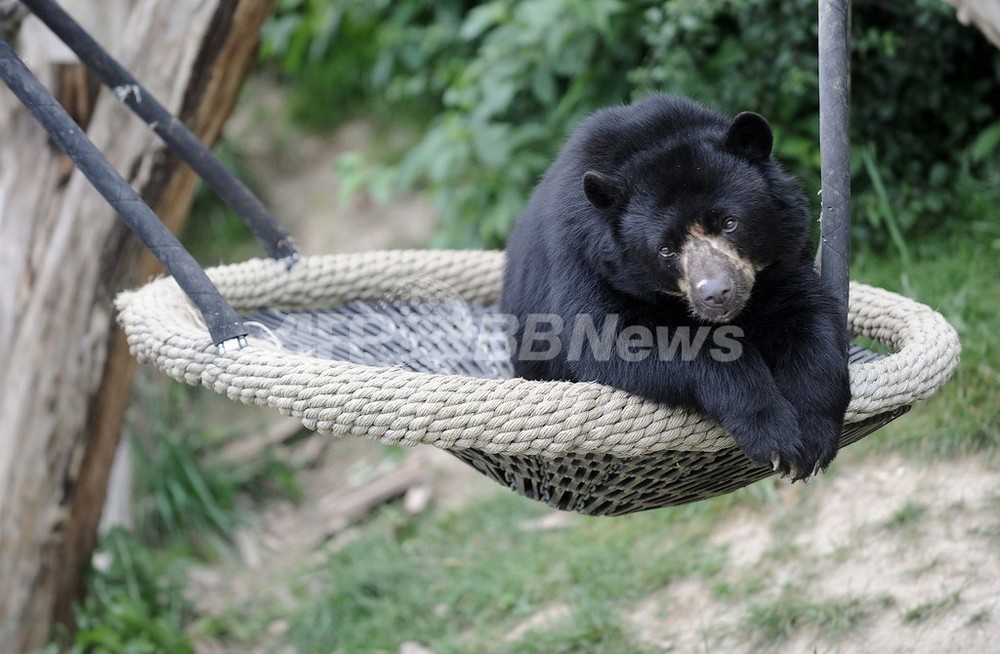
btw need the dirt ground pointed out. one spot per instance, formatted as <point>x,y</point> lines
<point>916,545</point>
<point>931,585</point>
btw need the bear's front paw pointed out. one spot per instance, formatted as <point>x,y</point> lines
<point>803,453</point>
<point>774,440</point>
<point>820,440</point>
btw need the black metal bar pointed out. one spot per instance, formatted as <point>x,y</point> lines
<point>835,145</point>
<point>220,318</point>
<point>276,241</point>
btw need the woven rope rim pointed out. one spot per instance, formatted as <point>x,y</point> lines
<point>512,416</point>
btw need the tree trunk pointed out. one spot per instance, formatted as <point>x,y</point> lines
<point>984,14</point>
<point>65,371</point>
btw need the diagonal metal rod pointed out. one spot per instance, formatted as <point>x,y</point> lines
<point>223,324</point>
<point>276,241</point>
<point>835,146</point>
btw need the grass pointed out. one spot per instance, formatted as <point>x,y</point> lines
<point>956,275</point>
<point>978,618</point>
<point>462,582</point>
<point>931,609</point>
<point>907,517</point>
<point>772,622</point>
<point>183,491</point>
<point>741,588</point>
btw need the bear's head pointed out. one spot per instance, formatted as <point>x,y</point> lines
<point>698,216</point>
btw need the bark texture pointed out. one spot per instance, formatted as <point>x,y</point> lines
<point>65,372</point>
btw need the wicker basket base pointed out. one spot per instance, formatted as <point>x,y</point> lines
<point>601,484</point>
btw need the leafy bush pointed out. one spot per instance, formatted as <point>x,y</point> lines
<point>924,88</point>
<point>132,604</point>
<point>184,491</point>
<point>496,87</point>
<point>348,56</point>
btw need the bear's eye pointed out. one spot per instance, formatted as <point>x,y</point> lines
<point>666,252</point>
<point>730,224</point>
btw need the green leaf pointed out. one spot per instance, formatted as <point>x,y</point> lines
<point>543,86</point>
<point>986,143</point>
<point>482,19</point>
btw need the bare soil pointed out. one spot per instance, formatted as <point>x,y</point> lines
<point>914,547</point>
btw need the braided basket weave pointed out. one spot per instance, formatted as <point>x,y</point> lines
<point>576,446</point>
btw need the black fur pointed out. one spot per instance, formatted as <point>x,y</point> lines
<point>601,235</point>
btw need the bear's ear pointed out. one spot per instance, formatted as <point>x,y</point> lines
<point>749,136</point>
<point>605,192</point>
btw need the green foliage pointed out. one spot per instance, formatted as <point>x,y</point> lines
<point>132,605</point>
<point>500,82</point>
<point>351,55</point>
<point>924,94</point>
<point>178,496</point>
<point>214,233</point>
<point>496,86</point>
<point>186,499</point>
<point>461,582</point>
<point>184,491</point>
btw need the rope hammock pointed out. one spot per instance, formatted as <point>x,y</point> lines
<point>399,346</point>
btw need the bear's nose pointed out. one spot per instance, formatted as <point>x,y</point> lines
<point>715,292</point>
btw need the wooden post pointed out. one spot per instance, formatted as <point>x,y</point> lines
<point>65,372</point>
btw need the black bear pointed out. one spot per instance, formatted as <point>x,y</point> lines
<point>667,254</point>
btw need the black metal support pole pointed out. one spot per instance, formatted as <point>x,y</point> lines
<point>223,324</point>
<point>835,145</point>
<point>275,240</point>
